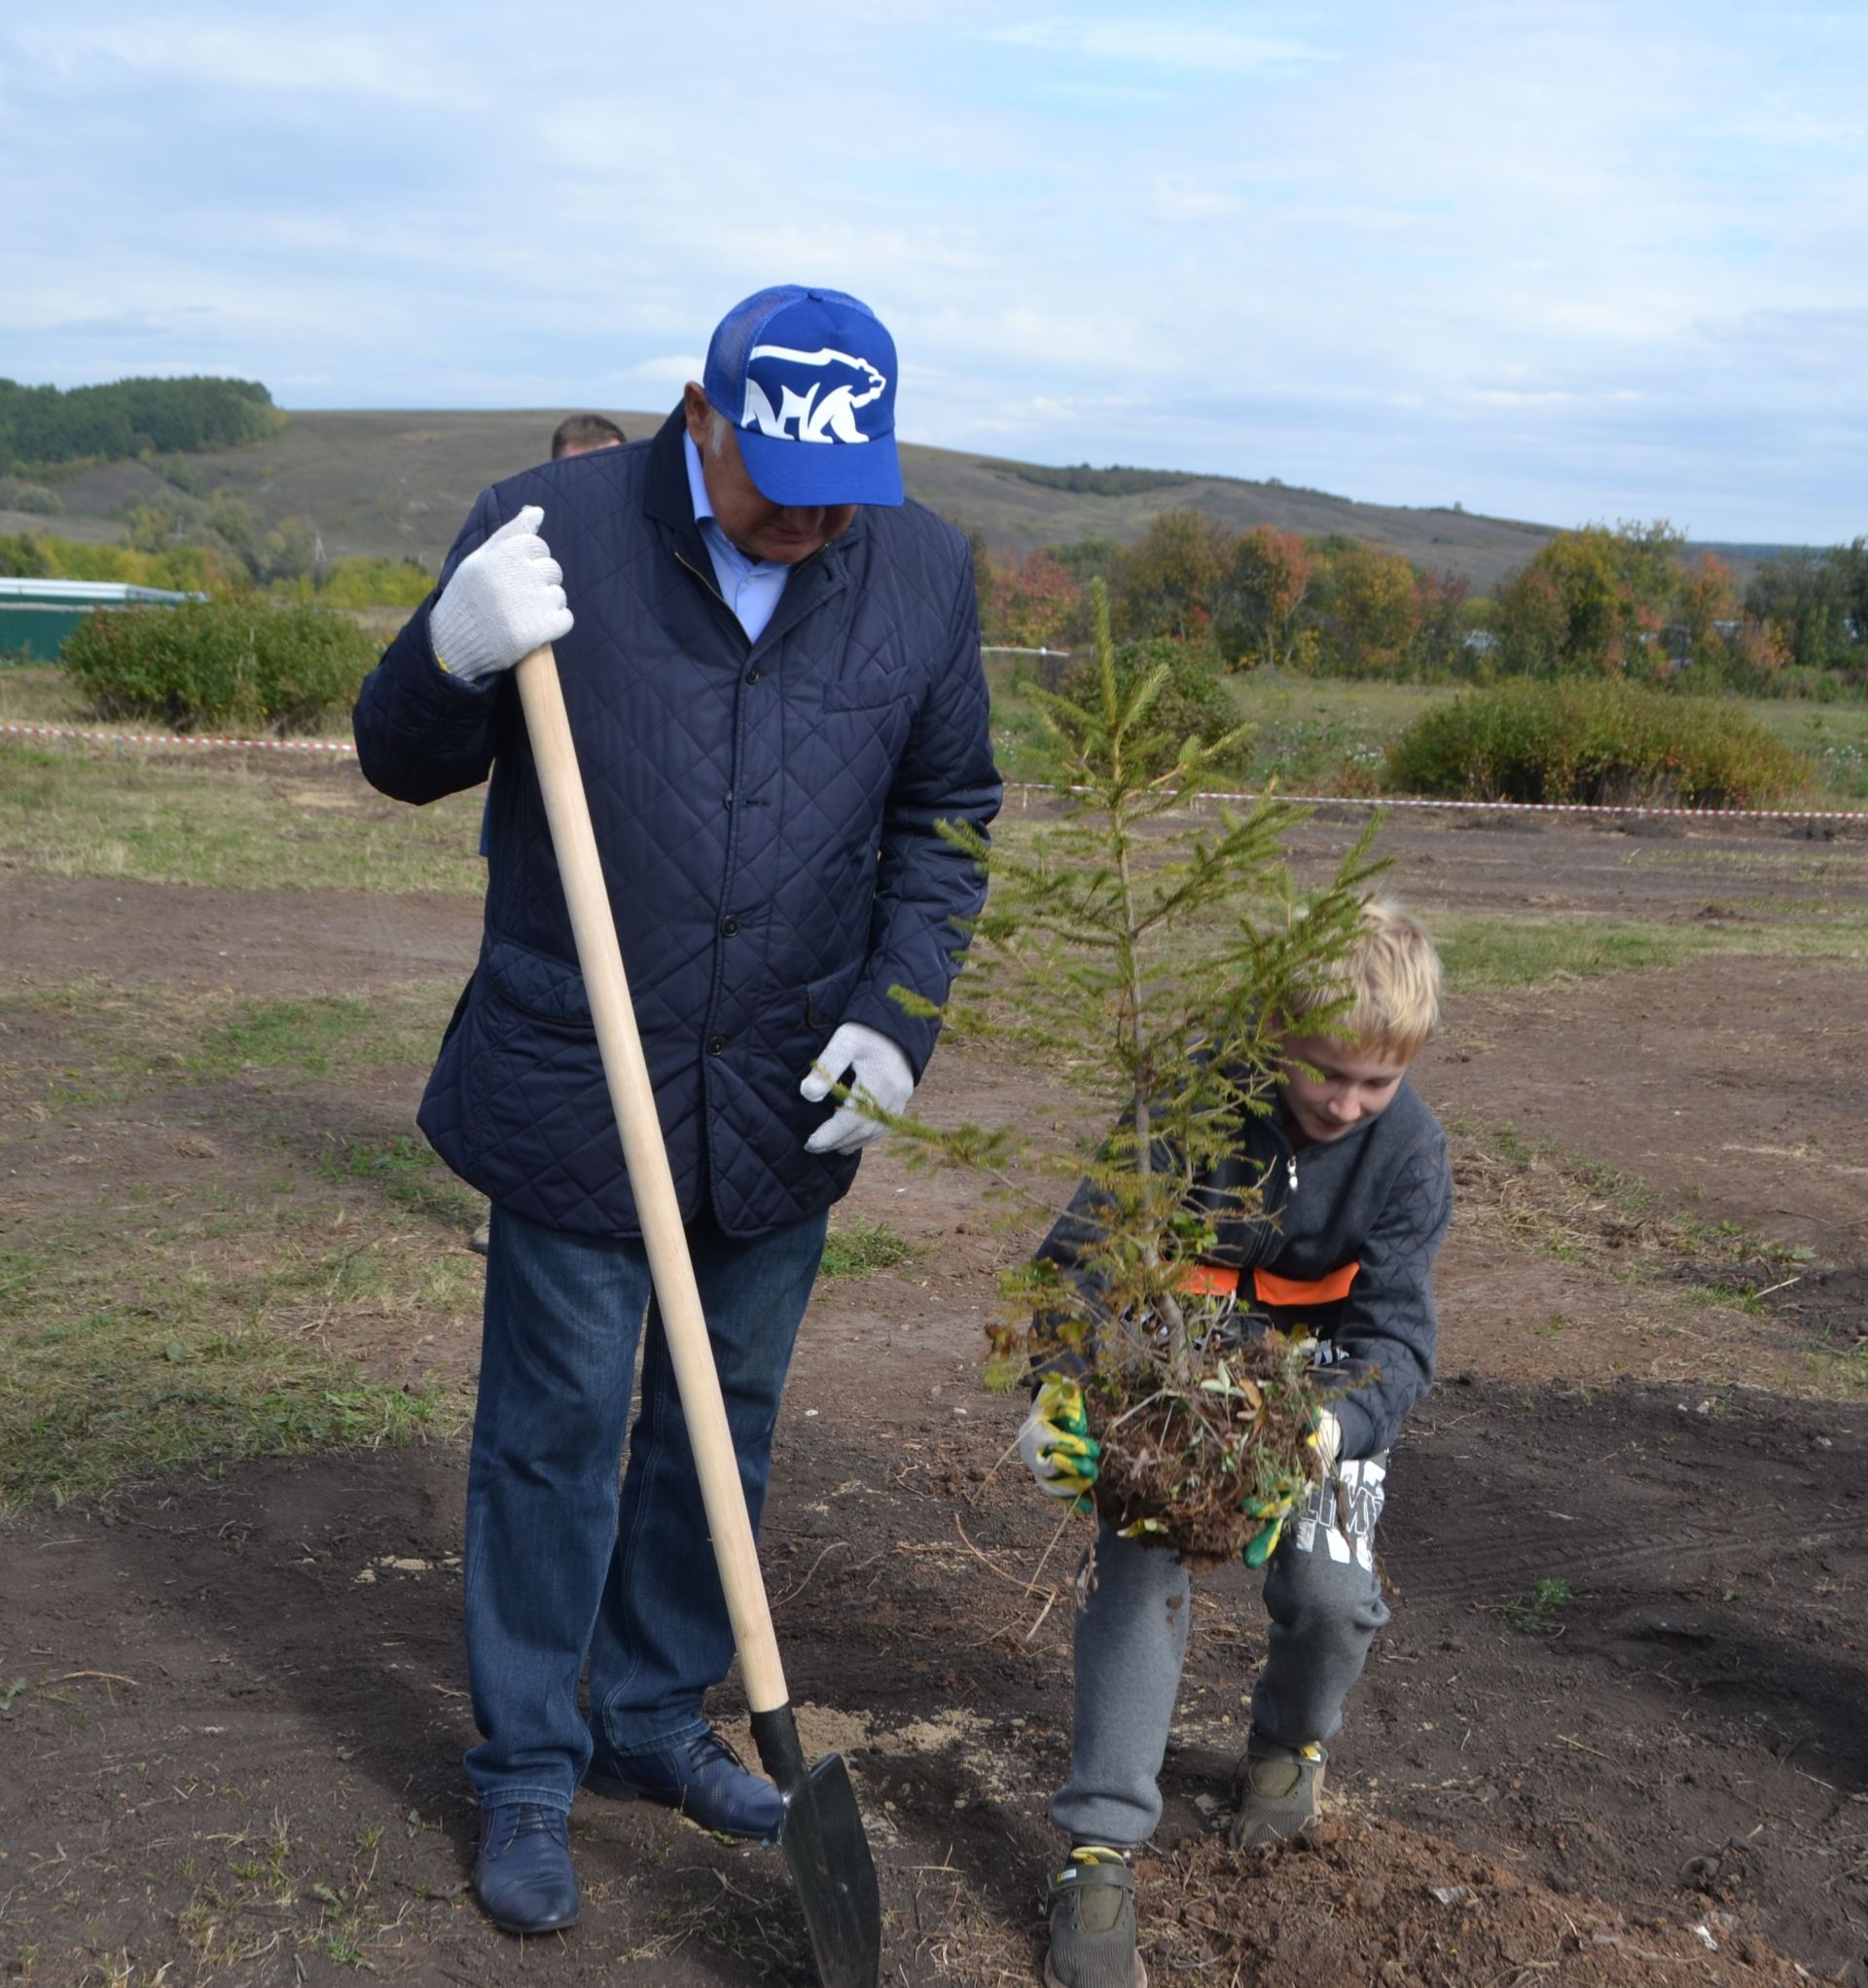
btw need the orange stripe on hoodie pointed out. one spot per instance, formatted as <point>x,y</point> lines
<point>1298,1290</point>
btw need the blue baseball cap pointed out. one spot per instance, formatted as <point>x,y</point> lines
<point>807,380</point>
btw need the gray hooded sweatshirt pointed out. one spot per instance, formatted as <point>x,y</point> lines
<point>1341,1247</point>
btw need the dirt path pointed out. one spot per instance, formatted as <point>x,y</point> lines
<point>233,1711</point>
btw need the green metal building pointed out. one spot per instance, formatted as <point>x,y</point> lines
<point>37,615</point>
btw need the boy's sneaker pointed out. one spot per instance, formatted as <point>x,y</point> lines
<point>1276,1788</point>
<point>1093,1923</point>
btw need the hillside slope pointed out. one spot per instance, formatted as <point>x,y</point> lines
<point>397,484</point>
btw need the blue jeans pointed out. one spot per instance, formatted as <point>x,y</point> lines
<point>557,1569</point>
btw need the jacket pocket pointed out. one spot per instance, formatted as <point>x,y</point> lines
<point>866,692</point>
<point>547,989</point>
<point>827,999</point>
<point>528,1052</point>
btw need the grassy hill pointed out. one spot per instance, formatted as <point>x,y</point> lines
<point>397,484</point>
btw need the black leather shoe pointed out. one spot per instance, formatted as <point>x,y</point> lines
<point>523,1876</point>
<point>703,1777</point>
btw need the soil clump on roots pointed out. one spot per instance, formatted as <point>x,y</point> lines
<point>1202,1465</point>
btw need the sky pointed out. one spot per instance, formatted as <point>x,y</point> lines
<point>1567,263</point>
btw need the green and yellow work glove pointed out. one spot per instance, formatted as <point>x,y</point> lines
<point>1326,1440</point>
<point>1056,1442</point>
<point>1270,1512</point>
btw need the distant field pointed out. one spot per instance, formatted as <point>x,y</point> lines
<point>1834,736</point>
<point>1314,735</point>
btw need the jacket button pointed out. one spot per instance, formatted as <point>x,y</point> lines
<point>753,676</point>
<point>729,926</point>
<point>716,1045</point>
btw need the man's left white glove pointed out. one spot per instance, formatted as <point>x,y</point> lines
<point>871,1067</point>
<point>506,598</point>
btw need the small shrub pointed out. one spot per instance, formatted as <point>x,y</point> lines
<point>1193,703</point>
<point>1542,1613</point>
<point>376,583</point>
<point>860,1247</point>
<point>238,660</point>
<point>1596,741</point>
<point>17,495</point>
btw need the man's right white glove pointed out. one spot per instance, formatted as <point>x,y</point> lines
<point>505,599</point>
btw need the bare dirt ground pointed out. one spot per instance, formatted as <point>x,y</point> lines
<point>234,1710</point>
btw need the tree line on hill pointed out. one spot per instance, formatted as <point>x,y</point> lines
<point>46,427</point>
<point>1624,601</point>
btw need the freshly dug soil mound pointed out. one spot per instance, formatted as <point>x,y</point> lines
<point>1369,1901</point>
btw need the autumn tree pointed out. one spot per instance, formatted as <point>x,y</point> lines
<point>1848,568</point>
<point>1259,594</point>
<point>1370,619</point>
<point>1440,621</point>
<point>1031,602</point>
<point>1167,582</point>
<point>1705,607</point>
<point>1800,596</point>
<point>1533,623</point>
<point>1590,599</point>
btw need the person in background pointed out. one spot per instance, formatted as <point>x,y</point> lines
<point>583,435</point>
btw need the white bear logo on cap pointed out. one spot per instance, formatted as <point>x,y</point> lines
<point>830,419</point>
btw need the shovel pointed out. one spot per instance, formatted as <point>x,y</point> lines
<point>822,1831</point>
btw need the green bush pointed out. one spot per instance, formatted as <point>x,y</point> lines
<point>1193,703</point>
<point>37,556</point>
<point>238,660</point>
<point>376,583</point>
<point>17,495</point>
<point>1598,741</point>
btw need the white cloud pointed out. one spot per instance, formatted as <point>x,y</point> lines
<point>406,67</point>
<point>1476,252</point>
<point>1162,38</point>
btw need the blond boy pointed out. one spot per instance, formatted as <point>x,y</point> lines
<point>1357,1197</point>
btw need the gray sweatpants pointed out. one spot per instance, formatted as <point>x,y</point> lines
<point>1325,1598</point>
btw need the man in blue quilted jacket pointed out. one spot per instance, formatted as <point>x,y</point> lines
<point>771,665</point>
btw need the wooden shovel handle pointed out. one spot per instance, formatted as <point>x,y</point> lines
<point>632,1099</point>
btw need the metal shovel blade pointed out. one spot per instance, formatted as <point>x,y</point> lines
<point>824,1844</point>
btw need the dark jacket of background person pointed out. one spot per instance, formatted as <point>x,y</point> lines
<point>766,813</point>
<point>1378,1199</point>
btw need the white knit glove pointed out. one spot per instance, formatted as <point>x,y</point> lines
<point>505,599</point>
<point>877,1070</point>
<point>1326,1440</point>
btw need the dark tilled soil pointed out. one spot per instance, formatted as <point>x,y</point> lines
<point>217,1669</point>
<point>232,1708</point>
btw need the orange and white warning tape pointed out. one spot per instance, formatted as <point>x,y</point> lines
<point>1385,800</point>
<point>342,748</point>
